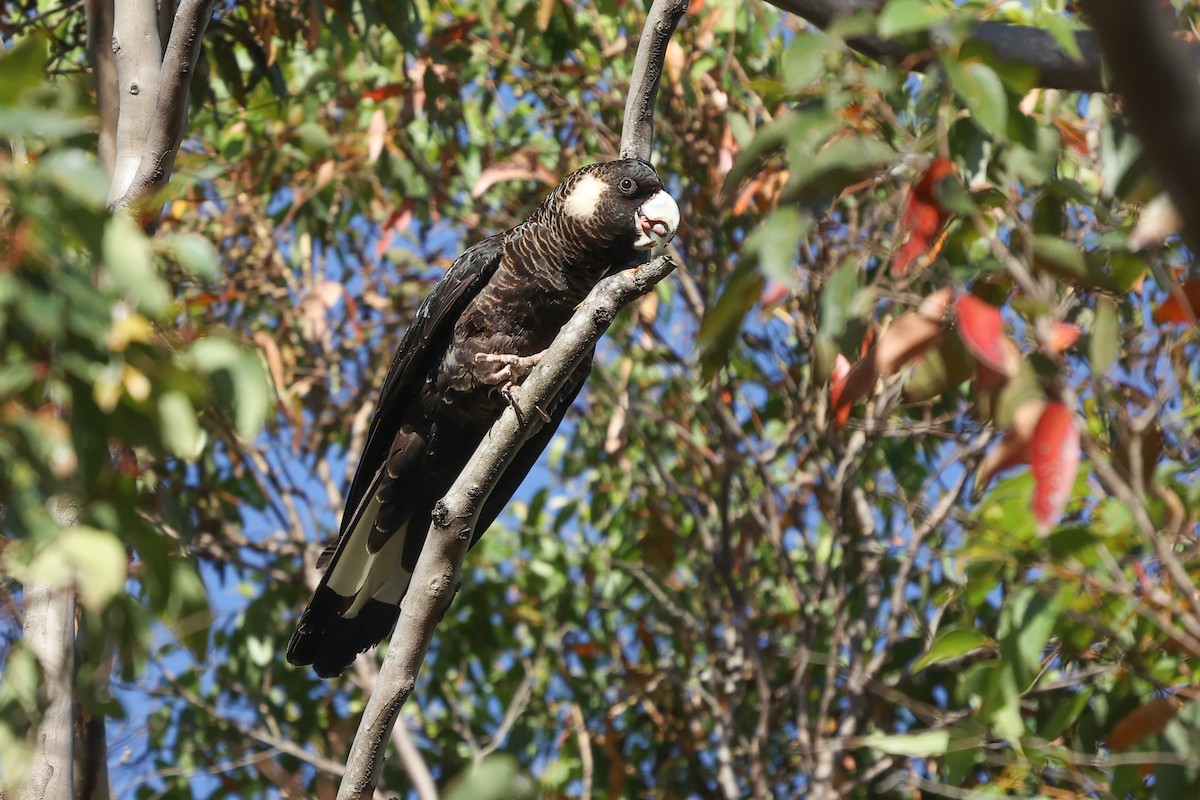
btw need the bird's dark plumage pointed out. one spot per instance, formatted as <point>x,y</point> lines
<point>472,342</point>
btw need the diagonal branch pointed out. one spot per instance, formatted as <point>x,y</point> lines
<point>436,577</point>
<point>437,573</point>
<point>1011,44</point>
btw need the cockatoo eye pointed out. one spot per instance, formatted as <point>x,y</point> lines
<point>627,186</point>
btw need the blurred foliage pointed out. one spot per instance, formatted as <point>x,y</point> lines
<point>711,589</point>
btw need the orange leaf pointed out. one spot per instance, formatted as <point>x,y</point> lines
<point>982,330</point>
<point>1054,456</point>
<point>1174,310</point>
<point>1062,336</point>
<point>1074,136</point>
<point>1144,721</point>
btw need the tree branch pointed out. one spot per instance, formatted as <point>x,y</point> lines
<point>163,130</point>
<point>99,15</point>
<point>1011,44</point>
<point>637,131</point>
<point>436,577</point>
<point>137,53</point>
<point>437,573</point>
<point>49,629</point>
<point>1155,75</point>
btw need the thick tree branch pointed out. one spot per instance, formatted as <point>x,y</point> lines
<point>144,170</point>
<point>1012,44</point>
<point>637,131</point>
<point>137,53</point>
<point>49,629</point>
<point>99,15</point>
<point>436,577</point>
<point>437,573</point>
<point>1155,75</point>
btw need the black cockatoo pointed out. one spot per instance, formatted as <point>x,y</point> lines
<point>471,343</point>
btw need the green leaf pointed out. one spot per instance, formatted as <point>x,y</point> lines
<point>804,60</point>
<point>925,743</point>
<point>951,642</point>
<point>719,329</point>
<point>900,17</point>
<point>180,432</point>
<point>1065,714</point>
<point>23,67</point>
<point>195,254</point>
<point>187,612</point>
<point>838,299</point>
<point>1026,621</point>
<point>239,380</point>
<point>1104,340</point>
<point>130,262</point>
<point>78,176</point>
<point>494,778</point>
<point>982,91</point>
<point>775,242</point>
<point>92,559</point>
<point>831,168</point>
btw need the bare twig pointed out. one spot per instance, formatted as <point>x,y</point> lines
<point>99,14</point>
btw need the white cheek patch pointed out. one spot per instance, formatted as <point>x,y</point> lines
<point>583,199</point>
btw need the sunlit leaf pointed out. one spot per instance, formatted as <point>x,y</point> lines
<point>1054,456</point>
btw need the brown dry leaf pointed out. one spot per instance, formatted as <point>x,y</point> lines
<point>674,62</point>
<point>1144,721</point>
<point>545,13</point>
<point>1013,448</point>
<point>520,166</point>
<point>376,135</point>
<point>1158,220</point>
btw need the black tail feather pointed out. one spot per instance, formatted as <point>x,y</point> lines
<point>334,645</point>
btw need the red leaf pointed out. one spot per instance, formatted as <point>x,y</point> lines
<point>384,92</point>
<point>1054,456</point>
<point>1013,449</point>
<point>1174,310</point>
<point>1062,335</point>
<point>837,385</point>
<point>774,292</point>
<point>923,216</point>
<point>982,330</point>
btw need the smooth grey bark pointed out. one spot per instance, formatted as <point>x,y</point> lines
<point>49,630</point>
<point>99,15</point>
<point>137,53</point>
<point>437,574</point>
<point>153,85</point>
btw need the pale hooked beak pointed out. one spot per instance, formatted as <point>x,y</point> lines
<point>656,221</point>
